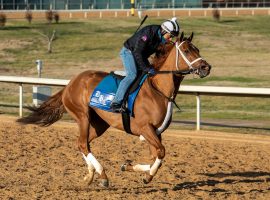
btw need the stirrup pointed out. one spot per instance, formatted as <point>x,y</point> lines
<point>116,107</point>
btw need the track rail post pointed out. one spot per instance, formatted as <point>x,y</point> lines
<point>198,123</point>
<point>21,100</point>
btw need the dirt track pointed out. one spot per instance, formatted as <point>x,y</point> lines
<point>44,163</point>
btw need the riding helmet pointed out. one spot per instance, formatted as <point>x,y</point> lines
<point>171,26</point>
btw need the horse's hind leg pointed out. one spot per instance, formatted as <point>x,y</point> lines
<point>97,128</point>
<point>82,115</point>
<point>83,143</point>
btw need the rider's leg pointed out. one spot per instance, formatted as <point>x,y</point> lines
<point>131,73</point>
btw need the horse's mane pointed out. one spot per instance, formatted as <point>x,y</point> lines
<point>161,55</point>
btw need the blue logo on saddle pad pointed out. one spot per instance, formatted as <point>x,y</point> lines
<point>104,93</point>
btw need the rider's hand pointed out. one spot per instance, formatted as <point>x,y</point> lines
<point>151,71</point>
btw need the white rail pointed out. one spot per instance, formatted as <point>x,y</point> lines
<point>184,89</point>
<point>221,91</point>
<point>36,81</point>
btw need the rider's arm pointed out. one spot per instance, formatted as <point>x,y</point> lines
<point>140,45</point>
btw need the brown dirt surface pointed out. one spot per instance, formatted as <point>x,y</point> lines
<point>44,163</point>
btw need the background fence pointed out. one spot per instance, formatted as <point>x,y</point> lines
<point>125,4</point>
<point>88,14</point>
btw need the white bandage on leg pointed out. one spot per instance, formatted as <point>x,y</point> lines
<point>142,138</point>
<point>90,158</point>
<point>155,166</point>
<point>141,168</point>
<point>89,177</point>
<point>86,160</point>
<point>89,164</point>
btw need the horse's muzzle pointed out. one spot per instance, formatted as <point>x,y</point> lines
<point>204,70</point>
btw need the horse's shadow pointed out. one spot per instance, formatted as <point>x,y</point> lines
<point>217,178</point>
<point>236,177</point>
<point>247,174</point>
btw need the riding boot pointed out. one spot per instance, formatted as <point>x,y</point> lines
<point>116,107</point>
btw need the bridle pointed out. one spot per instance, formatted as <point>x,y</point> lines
<point>191,70</point>
<point>178,50</point>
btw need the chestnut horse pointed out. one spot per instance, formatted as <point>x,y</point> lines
<point>150,110</point>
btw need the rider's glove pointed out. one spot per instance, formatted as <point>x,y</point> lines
<point>151,71</point>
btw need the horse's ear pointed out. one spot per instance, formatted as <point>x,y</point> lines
<point>182,37</point>
<point>190,37</point>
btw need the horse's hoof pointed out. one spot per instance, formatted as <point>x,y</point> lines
<point>148,178</point>
<point>126,166</point>
<point>104,183</point>
<point>123,167</point>
<point>145,181</point>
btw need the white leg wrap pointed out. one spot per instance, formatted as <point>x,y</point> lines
<point>87,161</point>
<point>142,138</point>
<point>141,168</point>
<point>155,166</point>
<point>93,161</point>
<point>91,169</point>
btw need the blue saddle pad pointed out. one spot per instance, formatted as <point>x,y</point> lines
<point>104,93</point>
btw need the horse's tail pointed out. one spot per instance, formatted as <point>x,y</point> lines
<point>47,113</point>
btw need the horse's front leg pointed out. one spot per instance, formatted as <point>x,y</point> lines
<point>158,153</point>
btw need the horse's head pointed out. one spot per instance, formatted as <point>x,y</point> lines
<point>189,57</point>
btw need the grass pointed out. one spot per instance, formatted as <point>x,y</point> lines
<point>237,48</point>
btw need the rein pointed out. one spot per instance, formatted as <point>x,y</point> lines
<point>171,99</point>
<point>177,72</point>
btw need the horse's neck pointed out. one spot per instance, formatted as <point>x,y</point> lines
<point>167,83</point>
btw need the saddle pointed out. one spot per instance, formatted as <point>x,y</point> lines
<point>122,74</point>
<point>104,93</point>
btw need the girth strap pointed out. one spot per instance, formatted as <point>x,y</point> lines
<point>126,121</point>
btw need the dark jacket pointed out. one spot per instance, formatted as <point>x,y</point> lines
<point>143,44</point>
